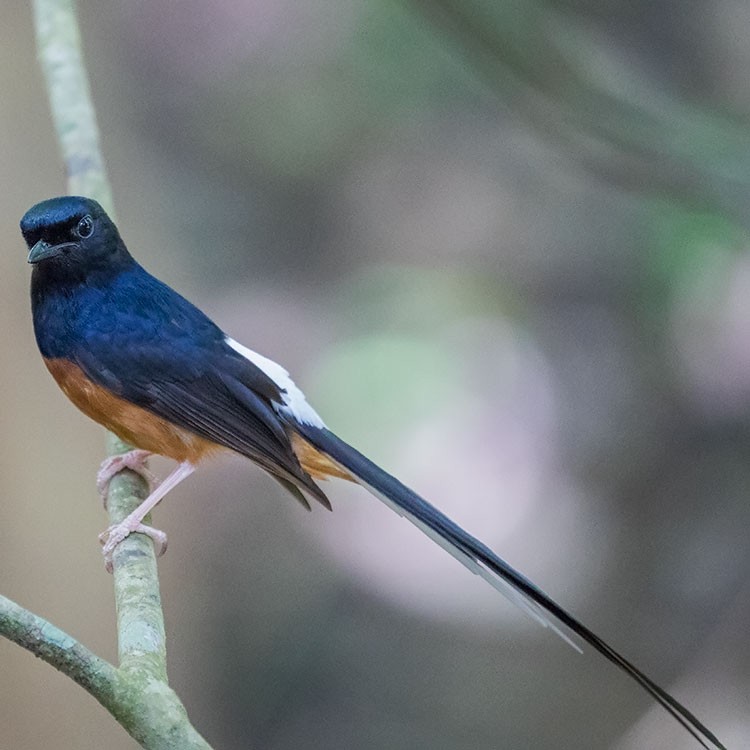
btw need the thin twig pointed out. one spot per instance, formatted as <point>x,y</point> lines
<point>59,649</point>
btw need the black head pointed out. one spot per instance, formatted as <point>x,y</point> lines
<point>72,236</point>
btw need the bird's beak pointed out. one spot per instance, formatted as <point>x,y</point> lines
<point>43,250</point>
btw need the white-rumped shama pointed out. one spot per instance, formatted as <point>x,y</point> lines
<point>144,362</point>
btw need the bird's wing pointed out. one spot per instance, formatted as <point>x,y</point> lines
<point>178,366</point>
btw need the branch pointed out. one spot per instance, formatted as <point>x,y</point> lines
<point>59,649</point>
<point>146,707</point>
<point>136,693</point>
<point>58,43</point>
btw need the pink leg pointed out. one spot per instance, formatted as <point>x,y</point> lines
<point>134,522</point>
<point>134,460</point>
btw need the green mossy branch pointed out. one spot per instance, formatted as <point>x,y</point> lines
<point>58,43</point>
<point>136,693</point>
<point>59,649</point>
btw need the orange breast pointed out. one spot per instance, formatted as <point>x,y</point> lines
<point>133,424</point>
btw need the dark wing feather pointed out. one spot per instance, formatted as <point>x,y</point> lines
<point>151,347</point>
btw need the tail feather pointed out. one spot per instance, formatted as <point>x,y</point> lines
<point>481,560</point>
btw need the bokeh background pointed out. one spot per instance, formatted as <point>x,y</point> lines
<point>503,246</point>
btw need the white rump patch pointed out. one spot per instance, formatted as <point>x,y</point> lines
<point>294,401</point>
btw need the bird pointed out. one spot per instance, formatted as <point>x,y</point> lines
<point>140,359</point>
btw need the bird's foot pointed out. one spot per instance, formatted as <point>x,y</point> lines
<point>134,521</point>
<point>115,534</point>
<point>134,460</point>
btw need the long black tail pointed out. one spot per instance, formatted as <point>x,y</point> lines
<point>480,559</point>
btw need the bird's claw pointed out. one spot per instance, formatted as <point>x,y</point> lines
<point>115,534</point>
<point>134,460</point>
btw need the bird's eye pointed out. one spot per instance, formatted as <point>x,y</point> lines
<point>85,227</point>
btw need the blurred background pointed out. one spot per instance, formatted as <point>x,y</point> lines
<point>503,246</point>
